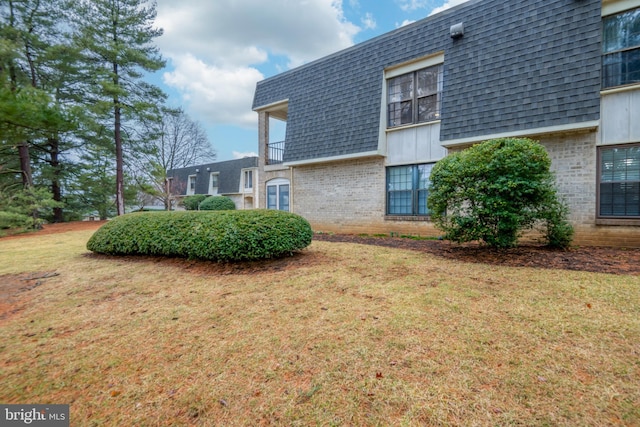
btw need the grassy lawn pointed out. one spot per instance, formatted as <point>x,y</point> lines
<point>343,334</point>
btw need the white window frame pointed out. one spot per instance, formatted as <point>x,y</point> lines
<point>247,180</point>
<point>278,184</point>
<point>611,7</point>
<point>191,191</point>
<point>214,190</point>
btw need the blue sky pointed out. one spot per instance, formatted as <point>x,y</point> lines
<point>217,50</point>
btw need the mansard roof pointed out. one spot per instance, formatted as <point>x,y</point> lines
<point>520,65</point>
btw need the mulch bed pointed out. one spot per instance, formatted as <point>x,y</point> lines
<point>592,259</point>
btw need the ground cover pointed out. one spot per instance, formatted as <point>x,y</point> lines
<point>340,334</point>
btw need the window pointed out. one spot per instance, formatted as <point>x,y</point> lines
<point>191,185</point>
<point>248,180</point>
<point>619,178</point>
<point>407,189</point>
<point>213,183</point>
<point>278,194</point>
<point>621,49</point>
<point>415,97</point>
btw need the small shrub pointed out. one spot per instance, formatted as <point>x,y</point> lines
<point>14,220</point>
<point>191,203</point>
<point>218,236</point>
<point>217,203</point>
<point>557,230</point>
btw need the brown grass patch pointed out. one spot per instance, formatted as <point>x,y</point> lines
<point>341,334</point>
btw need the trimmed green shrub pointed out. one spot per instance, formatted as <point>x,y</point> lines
<point>493,191</point>
<point>14,220</point>
<point>244,235</point>
<point>192,203</point>
<point>217,203</point>
<point>24,208</point>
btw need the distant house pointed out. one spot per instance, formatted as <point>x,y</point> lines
<point>236,179</point>
<point>364,126</point>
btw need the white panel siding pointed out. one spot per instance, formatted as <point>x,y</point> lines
<point>634,116</point>
<point>619,114</point>
<point>415,144</point>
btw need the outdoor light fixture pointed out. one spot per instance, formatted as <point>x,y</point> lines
<point>457,31</point>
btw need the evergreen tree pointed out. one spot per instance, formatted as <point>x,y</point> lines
<point>116,39</point>
<point>32,117</point>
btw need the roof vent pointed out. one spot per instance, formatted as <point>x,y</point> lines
<point>457,31</point>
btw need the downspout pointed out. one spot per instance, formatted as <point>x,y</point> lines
<point>291,198</point>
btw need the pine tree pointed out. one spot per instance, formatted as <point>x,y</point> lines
<point>32,117</point>
<point>116,39</point>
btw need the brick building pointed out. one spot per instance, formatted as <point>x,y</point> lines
<point>365,125</point>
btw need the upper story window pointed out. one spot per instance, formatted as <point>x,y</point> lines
<point>415,97</point>
<point>621,49</point>
<point>213,183</point>
<point>248,180</point>
<point>191,185</point>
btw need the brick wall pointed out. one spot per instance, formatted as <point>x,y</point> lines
<point>340,194</point>
<point>349,196</point>
<point>573,161</point>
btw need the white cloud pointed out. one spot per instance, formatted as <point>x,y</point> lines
<point>217,46</point>
<point>405,22</point>
<point>369,21</point>
<point>215,94</point>
<point>411,5</point>
<point>238,155</point>
<point>447,5</point>
<point>243,31</point>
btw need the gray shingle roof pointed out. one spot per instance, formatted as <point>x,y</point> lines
<point>520,65</point>
<point>228,179</point>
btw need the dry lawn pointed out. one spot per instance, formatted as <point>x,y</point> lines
<point>342,334</point>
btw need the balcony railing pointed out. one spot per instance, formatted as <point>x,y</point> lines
<point>275,153</point>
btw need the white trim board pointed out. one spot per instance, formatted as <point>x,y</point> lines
<point>524,132</point>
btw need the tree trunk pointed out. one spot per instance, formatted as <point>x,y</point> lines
<point>167,194</point>
<point>25,164</point>
<point>23,147</point>
<point>119,163</point>
<point>118,143</point>
<point>56,191</point>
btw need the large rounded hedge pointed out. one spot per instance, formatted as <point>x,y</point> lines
<point>217,203</point>
<point>244,235</point>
